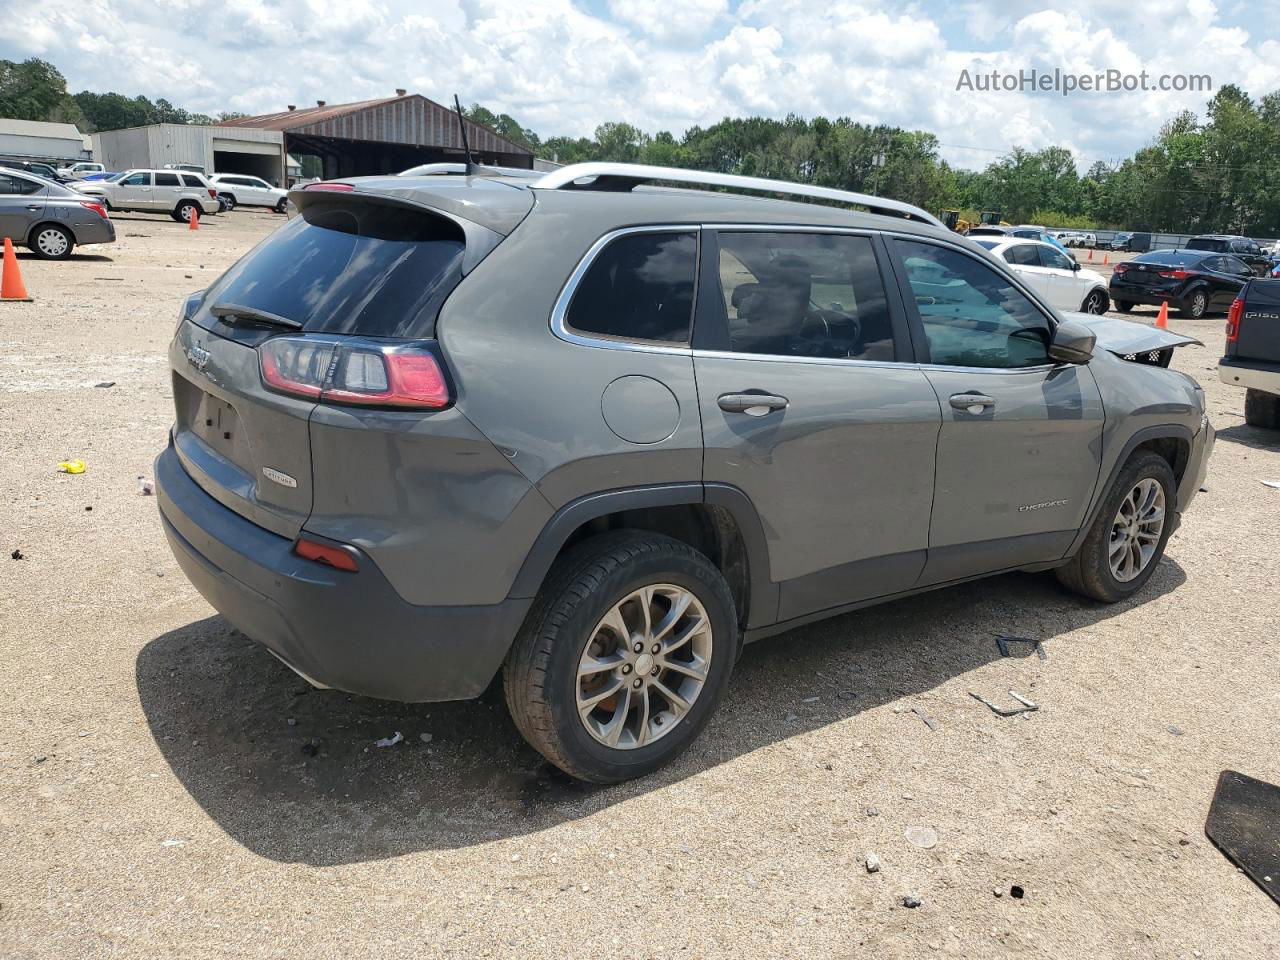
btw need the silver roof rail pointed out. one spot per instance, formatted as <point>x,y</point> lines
<point>622,176</point>
<point>441,169</point>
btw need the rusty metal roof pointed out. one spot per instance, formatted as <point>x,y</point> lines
<point>411,119</point>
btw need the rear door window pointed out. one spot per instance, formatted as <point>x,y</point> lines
<point>1022,255</point>
<point>350,268</point>
<point>18,186</point>
<point>166,180</point>
<point>804,295</point>
<point>639,287</point>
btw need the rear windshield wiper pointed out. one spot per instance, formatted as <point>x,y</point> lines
<point>230,312</point>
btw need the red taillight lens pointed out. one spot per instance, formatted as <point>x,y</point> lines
<point>213,194</point>
<point>332,556</point>
<point>97,208</point>
<point>364,373</point>
<point>1174,274</point>
<point>1120,268</point>
<point>331,187</point>
<point>1233,320</point>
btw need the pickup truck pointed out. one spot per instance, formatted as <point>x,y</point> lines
<point>1252,358</point>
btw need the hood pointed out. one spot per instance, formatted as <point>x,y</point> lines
<point>1123,337</point>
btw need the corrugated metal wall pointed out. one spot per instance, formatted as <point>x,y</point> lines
<point>162,143</point>
<point>411,120</point>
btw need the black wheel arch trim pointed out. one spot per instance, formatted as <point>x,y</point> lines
<point>1175,431</point>
<point>762,602</point>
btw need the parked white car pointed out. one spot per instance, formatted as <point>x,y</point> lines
<point>78,171</point>
<point>243,190</point>
<point>174,192</point>
<point>1052,274</point>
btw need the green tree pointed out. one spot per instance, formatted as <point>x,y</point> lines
<point>30,90</point>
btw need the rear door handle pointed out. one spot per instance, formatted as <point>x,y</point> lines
<point>33,206</point>
<point>752,404</point>
<point>974,403</point>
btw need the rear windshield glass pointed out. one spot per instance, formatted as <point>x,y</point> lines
<point>350,268</point>
<point>1203,243</point>
<point>1172,257</point>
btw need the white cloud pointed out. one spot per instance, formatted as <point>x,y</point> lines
<point>562,68</point>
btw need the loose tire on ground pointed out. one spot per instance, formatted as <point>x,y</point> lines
<point>541,677</point>
<point>1089,572</point>
<point>1262,409</point>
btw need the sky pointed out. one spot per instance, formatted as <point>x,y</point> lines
<point>562,67</point>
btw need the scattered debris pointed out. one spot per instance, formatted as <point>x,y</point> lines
<point>791,717</point>
<point>1003,643</point>
<point>88,509</point>
<point>41,758</point>
<point>873,811</point>
<point>1174,729</point>
<point>1241,824</point>
<point>145,487</point>
<point>873,862</point>
<point>84,733</point>
<point>17,555</point>
<point>425,737</point>
<point>925,717</point>
<point>924,837</point>
<point>105,384</point>
<point>310,749</point>
<point>1016,892</point>
<point>998,892</point>
<point>1273,484</point>
<point>291,722</point>
<point>172,843</point>
<point>1027,705</point>
<point>911,901</point>
<point>810,700</point>
<point>71,466</point>
<point>389,741</point>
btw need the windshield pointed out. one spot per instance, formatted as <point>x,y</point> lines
<point>349,268</point>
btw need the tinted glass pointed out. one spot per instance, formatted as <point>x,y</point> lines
<point>972,316</point>
<point>640,287</point>
<point>987,244</point>
<point>1205,243</point>
<point>1172,257</point>
<point>1235,265</point>
<point>18,185</point>
<point>166,180</point>
<point>804,295</point>
<point>366,269</point>
<point>137,180</point>
<point>189,181</point>
<point>1052,257</point>
<point>1023,255</point>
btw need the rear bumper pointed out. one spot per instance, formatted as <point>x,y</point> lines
<point>1251,374</point>
<point>1142,295</point>
<point>99,230</point>
<point>350,631</point>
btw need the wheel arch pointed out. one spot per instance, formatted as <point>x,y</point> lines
<point>719,520</point>
<point>41,224</point>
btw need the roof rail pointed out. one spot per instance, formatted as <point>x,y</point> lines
<point>624,176</point>
<point>441,169</point>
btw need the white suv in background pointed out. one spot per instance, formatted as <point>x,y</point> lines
<point>1052,274</point>
<point>175,192</point>
<point>78,171</point>
<point>243,190</point>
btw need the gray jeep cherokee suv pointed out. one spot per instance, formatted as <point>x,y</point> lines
<point>595,435</point>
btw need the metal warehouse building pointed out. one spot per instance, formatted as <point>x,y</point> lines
<point>38,140</point>
<point>217,149</point>
<point>380,136</point>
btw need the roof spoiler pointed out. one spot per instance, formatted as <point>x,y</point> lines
<point>624,176</point>
<point>475,170</point>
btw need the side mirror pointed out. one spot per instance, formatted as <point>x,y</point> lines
<point>1075,265</point>
<point>1072,342</point>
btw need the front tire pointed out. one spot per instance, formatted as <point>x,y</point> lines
<point>1096,303</point>
<point>1261,409</point>
<point>1124,306</point>
<point>1129,534</point>
<point>578,688</point>
<point>51,242</point>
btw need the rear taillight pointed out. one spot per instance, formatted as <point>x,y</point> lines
<point>363,373</point>
<point>213,194</point>
<point>1174,274</point>
<point>331,187</point>
<point>97,208</point>
<point>1120,268</point>
<point>337,557</point>
<point>1233,320</point>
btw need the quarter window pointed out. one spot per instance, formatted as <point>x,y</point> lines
<point>166,180</point>
<point>804,295</point>
<point>640,287</point>
<point>189,181</point>
<point>972,316</point>
<point>1022,255</point>
<point>18,185</point>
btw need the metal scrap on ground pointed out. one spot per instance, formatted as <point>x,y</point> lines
<point>1003,643</point>
<point>1027,705</point>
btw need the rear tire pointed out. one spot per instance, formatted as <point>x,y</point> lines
<point>1124,306</point>
<point>281,204</point>
<point>1090,572</point>
<point>1262,409</point>
<point>570,628</point>
<point>49,241</point>
<point>183,211</point>
<point>1196,306</point>
<point>229,200</point>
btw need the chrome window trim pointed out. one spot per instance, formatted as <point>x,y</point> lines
<point>559,313</point>
<point>785,358</point>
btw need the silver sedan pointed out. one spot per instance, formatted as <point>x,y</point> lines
<point>48,217</point>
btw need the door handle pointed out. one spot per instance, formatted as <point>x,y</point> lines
<point>752,404</point>
<point>974,403</point>
<point>33,206</point>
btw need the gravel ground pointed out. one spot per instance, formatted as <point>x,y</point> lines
<point>167,788</point>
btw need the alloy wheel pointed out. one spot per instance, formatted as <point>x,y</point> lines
<point>644,666</point>
<point>1136,530</point>
<point>1095,303</point>
<point>51,242</point>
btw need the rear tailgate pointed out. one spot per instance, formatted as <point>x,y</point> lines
<point>1259,337</point>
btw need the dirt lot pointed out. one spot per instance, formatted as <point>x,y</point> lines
<point>167,788</point>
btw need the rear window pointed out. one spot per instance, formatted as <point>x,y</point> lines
<point>1204,243</point>
<point>1176,258</point>
<point>350,268</point>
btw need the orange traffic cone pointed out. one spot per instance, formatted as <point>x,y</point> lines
<point>1091,254</point>
<point>1106,258</point>
<point>195,219</point>
<point>11,287</point>
<point>1162,318</point>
